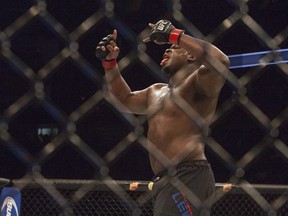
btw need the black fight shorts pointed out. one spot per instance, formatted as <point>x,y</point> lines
<point>185,190</point>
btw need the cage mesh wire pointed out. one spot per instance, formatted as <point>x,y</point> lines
<point>63,42</point>
<point>102,201</point>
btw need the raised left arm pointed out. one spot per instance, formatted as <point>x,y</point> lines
<point>209,78</point>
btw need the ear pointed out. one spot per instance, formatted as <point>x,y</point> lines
<point>191,58</point>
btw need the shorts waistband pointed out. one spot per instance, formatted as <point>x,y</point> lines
<point>199,163</point>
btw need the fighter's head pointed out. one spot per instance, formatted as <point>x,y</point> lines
<point>174,59</point>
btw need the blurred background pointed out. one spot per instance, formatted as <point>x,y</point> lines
<point>56,118</point>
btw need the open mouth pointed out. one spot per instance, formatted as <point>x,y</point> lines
<point>164,60</point>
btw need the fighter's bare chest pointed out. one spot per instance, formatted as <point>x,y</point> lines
<point>164,102</point>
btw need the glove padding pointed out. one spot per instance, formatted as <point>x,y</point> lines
<point>162,30</point>
<point>100,54</point>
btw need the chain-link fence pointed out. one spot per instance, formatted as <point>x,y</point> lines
<point>57,120</point>
<point>101,200</point>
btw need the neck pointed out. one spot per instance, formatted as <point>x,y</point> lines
<point>177,78</point>
<point>182,75</point>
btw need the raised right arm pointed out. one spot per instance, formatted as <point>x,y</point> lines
<point>132,102</point>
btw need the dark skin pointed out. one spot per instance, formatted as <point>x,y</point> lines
<point>193,90</point>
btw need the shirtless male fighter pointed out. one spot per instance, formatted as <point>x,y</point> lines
<point>183,179</point>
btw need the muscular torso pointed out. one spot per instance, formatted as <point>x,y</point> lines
<point>173,131</point>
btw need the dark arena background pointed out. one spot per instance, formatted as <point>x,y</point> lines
<point>69,150</point>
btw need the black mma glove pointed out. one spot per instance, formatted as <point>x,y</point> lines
<point>165,32</point>
<point>102,55</point>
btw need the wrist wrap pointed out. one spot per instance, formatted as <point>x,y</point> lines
<point>109,64</point>
<point>174,37</point>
